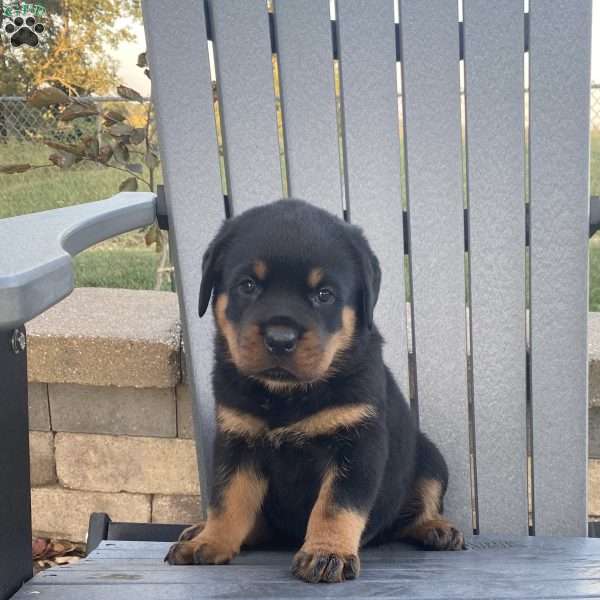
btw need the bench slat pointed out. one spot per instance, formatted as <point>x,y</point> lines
<point>372,158</point>
<point>245,87</point>
<point>182,93</point>
<point>430,52</point>
<point>308,101</point>
<point>559,76</point>
<point>496,192</point>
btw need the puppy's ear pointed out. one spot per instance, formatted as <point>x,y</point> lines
<point>211,266</point>
<point>370,273</point>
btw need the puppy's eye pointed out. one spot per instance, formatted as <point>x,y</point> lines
<point>325,296</point>
<point>247,286</point>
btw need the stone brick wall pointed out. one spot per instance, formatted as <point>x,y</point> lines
<point>110,416</point>
<point>110,419</point>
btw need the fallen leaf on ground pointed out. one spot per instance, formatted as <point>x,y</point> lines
<point>48,553</point>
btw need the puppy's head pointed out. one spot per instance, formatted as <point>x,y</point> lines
<point>294,288</point>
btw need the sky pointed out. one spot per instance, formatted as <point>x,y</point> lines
<point>127,54</point>
<point>134,77</point>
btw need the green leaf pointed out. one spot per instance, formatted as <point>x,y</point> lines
<point>76,110</point>
<point>120,152</point>
<point>142,61</point>
<point>11,169</point>
<point>64,160</point>
<point>138,136</point>
<point>120,129</point>
<point>130,94</point>
<point>135,168</point>
<point>128,185</point>
<point>151,160</point>
<point>47,96</point>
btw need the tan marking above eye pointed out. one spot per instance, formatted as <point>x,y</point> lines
<point>325,422</point>
<point>315,277</point>
<point>260,269</point>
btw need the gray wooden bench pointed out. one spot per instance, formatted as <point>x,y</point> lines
<point>504,396</point>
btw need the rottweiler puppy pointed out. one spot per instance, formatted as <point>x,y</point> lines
<point>316,444</point>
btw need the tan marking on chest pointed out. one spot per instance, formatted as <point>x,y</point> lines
<point>233,422</point>
<point>326,422</point>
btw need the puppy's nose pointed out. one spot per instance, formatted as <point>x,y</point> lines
<point>280,339</point>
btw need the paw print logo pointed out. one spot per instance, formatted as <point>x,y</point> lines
<point>24,30</point>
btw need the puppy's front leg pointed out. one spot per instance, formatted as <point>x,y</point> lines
<point>339,516</point>
<point>330,549</point>
<point>231,519</point>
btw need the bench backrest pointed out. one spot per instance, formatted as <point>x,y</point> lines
<point>504,396</point>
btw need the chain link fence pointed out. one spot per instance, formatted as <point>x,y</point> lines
<point>23,123</point>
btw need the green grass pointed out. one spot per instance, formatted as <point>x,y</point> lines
<point>43,189</point>
<point>123,262</point>
<point>133,269</point>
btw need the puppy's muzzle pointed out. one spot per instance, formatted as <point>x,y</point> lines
<point>280,340</point>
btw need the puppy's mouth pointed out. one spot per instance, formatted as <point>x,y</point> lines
<point>278,373</point>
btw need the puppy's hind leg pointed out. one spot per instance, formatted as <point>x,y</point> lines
<point>424,524</point>
<point>421,520</point>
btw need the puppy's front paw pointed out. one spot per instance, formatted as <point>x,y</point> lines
<point>442,535</point>
<point>199,551</point>
<point>325,566</point>
<point>180,553</point>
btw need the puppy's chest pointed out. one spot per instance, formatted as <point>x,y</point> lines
<point>294,474</point>
<point>288,459</point>
<point>299,429</point>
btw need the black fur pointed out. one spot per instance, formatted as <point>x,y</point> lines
<point>381,458</point>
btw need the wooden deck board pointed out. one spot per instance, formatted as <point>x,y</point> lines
<point>493,567</point>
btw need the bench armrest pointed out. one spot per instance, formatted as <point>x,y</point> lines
<point>36,250</point>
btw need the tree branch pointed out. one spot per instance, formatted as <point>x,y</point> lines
<point>119,169</point>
